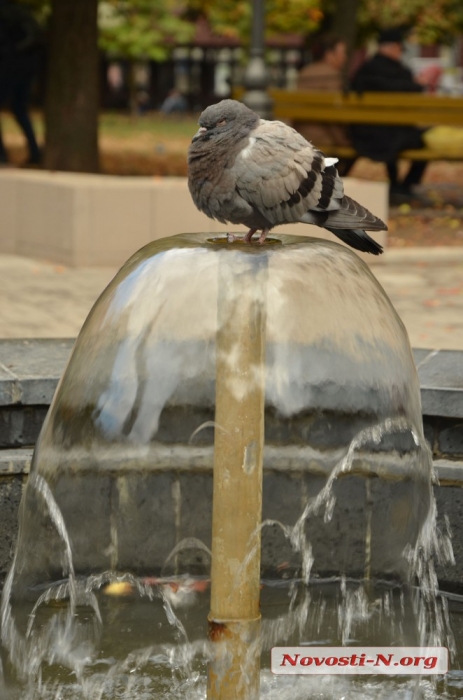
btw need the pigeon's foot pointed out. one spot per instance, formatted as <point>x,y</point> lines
<point>249,235</point>
<point>263,235</point>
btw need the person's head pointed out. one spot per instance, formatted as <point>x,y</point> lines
<point>332,50</point>
<point>391,42</point>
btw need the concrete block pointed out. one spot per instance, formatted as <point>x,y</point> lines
<point>15,461</point>
<point>20,425</point>
<point>283,500</point>
<point>450,439</point>
<point>398,509</point>
<point>118,222</point>
<point>430,432</point>
<point>449,501</point>
<point>337,544</point>
<point>10,496</point>
<point>79,219</point>
<point>442,369</point>
<point>30,369</point>
<point>192,494</point>
<point>173,211</point>
<point>178,423</point>
<point>85,502</point>
<point>144,514</point>
<point>45,220</point>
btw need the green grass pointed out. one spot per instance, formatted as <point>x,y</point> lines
<point>9,126</point>
<point>122,126</point>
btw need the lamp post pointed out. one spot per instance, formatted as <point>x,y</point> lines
<point>256,96</point>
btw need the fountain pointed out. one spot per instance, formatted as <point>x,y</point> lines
<point>135,576</point>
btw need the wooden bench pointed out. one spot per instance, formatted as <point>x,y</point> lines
<point>386,108</point>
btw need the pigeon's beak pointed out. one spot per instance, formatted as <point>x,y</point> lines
<point>202,130</point>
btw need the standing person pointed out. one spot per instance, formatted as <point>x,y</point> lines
<point>325,74</point>
<point>19,57</point>
<point>385,72</point>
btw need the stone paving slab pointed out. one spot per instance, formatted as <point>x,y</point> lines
<point>425,286</point>
<point>42,300</point>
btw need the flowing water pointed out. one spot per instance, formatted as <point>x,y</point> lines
<point>116,635</point>
<point>108,594</point>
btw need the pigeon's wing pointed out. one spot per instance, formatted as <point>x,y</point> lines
<point>284,177</point>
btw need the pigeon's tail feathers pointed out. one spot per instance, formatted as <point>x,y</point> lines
<point>357,239</point>
<point>351,214</point>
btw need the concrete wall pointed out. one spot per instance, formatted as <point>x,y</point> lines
<point>78,219</point>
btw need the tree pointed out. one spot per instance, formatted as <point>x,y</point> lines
<point>232,18</point>
<point>72,99</point>
<point>433,21</point>
<point>142,29</point>
<point>436,21</point>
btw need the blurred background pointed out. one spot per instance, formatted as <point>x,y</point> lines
<point>116,86</point>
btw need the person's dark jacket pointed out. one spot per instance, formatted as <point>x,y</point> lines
<point>20,45</point>
<point>378,142</point>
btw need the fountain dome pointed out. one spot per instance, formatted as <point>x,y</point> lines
<point>121,480</point>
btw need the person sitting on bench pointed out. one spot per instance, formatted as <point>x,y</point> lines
<point>325,75</point>
<point>385,72</point>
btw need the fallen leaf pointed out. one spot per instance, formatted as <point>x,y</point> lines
<point>118,588</point>
<point>450,291</point>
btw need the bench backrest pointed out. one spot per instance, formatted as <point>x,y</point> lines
<point>369,108</point>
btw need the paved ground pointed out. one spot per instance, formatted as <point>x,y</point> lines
<point>44,300</point>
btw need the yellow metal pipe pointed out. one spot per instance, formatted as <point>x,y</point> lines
<point>234,618</point>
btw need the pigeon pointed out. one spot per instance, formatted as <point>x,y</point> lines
<point>250,171</point>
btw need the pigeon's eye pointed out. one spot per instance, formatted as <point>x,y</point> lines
<point>222,122</point>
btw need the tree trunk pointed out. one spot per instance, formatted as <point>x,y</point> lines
<point>345,25</point>
<point>72,100</point>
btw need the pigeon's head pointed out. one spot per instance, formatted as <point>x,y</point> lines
<point>226,117</point>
